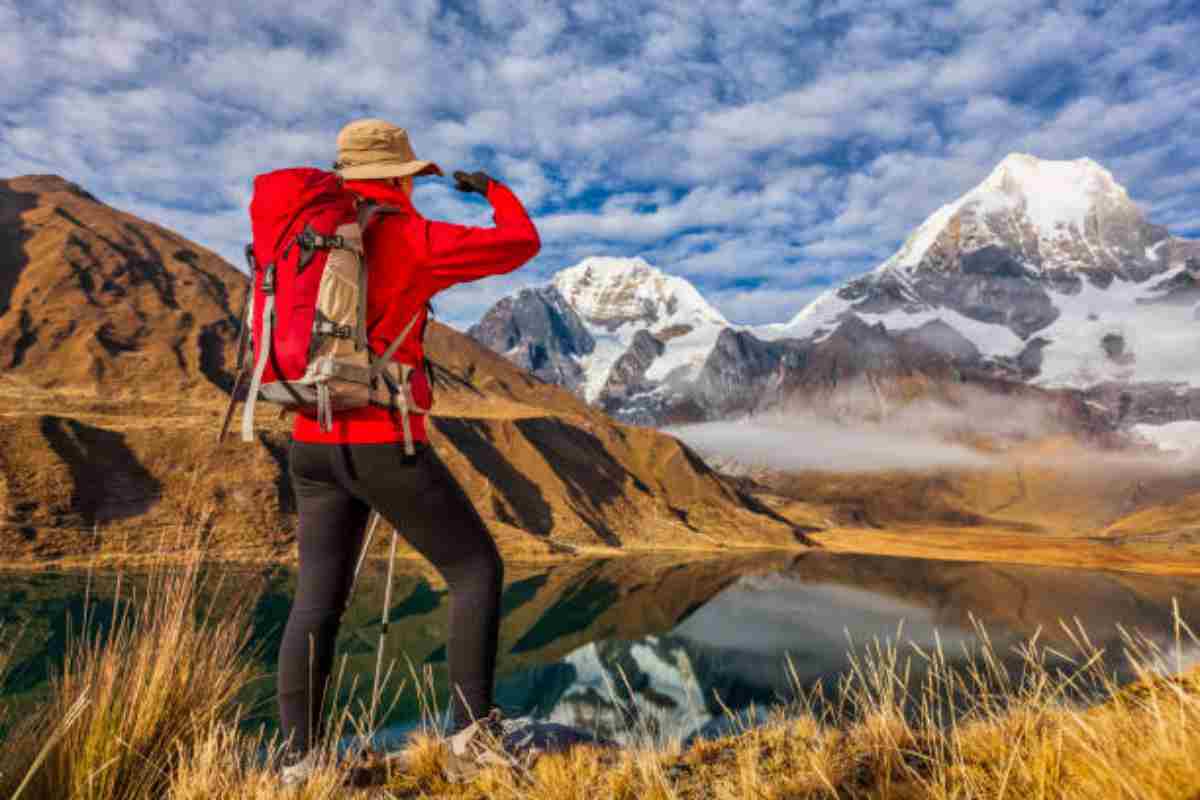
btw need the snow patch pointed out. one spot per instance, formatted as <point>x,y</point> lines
<point>687,352</point>
<point>918,244</point>
<point>1161,339</point>
<point>1181,438</point>
<point>992,339</point>
<point>822,312</point>
<point>598,364</point>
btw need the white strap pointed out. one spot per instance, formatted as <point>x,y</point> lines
<point>382,361</point>
<point>409,450</point>
<point>259,369</point>
<point>324,407</point>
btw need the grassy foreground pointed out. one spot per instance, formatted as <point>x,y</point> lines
<point>152,712</point>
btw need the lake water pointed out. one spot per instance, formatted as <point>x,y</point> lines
<point>656,644</point>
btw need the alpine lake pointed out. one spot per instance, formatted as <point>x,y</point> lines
<point>650,644</point>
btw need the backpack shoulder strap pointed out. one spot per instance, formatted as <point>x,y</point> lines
<point>367,210</point>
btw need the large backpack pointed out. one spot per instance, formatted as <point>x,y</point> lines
<point>305,320</point>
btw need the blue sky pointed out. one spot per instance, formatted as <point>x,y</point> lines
<point>763,149</point>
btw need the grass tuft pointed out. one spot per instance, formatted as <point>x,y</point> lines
<point>129,707</point>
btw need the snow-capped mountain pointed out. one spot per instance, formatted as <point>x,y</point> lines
<point>1047,258</point>
<point>608,328</point>
<point>1046,275</point>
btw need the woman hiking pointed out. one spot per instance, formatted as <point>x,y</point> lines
<point>342,471</point>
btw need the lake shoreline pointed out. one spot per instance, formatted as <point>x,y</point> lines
<point>952,545</point>
<point>144,560</point>
<point>1002,547</point>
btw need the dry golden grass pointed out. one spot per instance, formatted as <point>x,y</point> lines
<point>152,712</point>
<point>976,733</point>
<point>136,700</point>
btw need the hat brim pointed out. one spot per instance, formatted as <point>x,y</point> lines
<point>385,169</point>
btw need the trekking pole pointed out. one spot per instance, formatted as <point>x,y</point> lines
<point>372,524</point>
<point>387,607</point>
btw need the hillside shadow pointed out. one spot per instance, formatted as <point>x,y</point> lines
<point>592,476</point>
<point>527,507</point>
<point>109,483</point>
<point>219,338</point>
<point>13,235</point>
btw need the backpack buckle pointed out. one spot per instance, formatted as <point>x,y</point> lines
<point>310,241</point>
<point>337,331</point>
<point>323,326</point>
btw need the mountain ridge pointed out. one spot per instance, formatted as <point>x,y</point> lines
<point>1053,292</point>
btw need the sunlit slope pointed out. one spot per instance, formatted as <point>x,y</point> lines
<point>118,338</point>
<point>1052,486</point>
<point>95,300</point>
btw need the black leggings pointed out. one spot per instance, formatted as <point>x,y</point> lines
<point>336,487</point>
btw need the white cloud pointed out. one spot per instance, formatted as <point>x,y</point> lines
<point>775,143</point>
<point>810,443</point>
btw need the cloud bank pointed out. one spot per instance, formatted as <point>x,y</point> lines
<point>926,434</point>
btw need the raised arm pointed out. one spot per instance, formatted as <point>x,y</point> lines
<point>460,253</point>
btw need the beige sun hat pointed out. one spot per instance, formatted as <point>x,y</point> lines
<point>374,148</point>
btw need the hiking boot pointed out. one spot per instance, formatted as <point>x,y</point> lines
<point>478,746</point>
<point>373,768</point>
<point>296,771</point>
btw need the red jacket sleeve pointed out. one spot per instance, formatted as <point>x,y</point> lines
<point>459,253</point>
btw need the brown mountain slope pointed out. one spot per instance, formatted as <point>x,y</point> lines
<point>117,333</point>
<point>1049,500</point>
<point>95,299</point>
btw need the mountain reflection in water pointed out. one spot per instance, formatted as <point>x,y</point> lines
<point>650,645</point>
<point>751,644</point>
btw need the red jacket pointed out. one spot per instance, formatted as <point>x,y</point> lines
<point>410,259</point>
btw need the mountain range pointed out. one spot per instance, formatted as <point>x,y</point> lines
<point>117,337</point>
<point>1044,282</point>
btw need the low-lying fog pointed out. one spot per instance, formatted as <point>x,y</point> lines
<point>915,436</point>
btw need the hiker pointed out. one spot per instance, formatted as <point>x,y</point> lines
<point>344,466</point>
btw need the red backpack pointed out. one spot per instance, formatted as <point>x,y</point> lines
<point>306,315</point>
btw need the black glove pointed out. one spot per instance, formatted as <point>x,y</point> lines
<point>472,182</point>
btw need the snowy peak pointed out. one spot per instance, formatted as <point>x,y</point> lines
<point>1033,174</point>
<point>611,292</point>
<point>607,328</point>
<point>1056,196</point>
<point>1058,214</point>
<point>1045,273</point>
